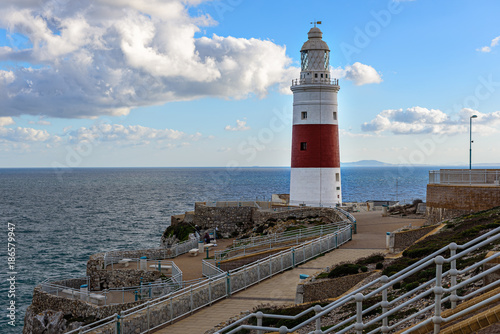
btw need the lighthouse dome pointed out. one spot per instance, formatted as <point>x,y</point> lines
<point>315,41</point>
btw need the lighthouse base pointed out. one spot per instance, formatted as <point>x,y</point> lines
<point>315,187</point>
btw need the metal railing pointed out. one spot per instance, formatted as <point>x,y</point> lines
<point>117,295</point>
<point>116,256</point>
<point>350,217</point>
<point>210,269</point>
<point>442,293</point>
<point>465,176</point>
<point>169,308</point>
<point>253,245</point>
<point>304,81</point>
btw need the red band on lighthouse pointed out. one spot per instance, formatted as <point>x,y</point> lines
<point>321,148</point>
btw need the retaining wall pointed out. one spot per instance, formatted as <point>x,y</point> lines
<point>449,201</point>
<point>399,241</point>
<point>327,288</point>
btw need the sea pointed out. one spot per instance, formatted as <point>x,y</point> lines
<point>58,218</point>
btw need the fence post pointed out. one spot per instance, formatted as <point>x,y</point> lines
<point>438,292</point>
<point>317,309</point>
<point>117,328</point>
<point>358,326</point>
<point>453,273</point>
<point>228,280</point>
<point>191,298</point>
<point>210,291</point>
<point>293,257</point>
<point>385,305</point>
<point>171,310</point>
<point>149,326</point>
<point>258,315</point>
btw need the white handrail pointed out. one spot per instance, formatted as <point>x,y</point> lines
<point>358,297</point>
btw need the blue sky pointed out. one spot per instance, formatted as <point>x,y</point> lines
<point>205,83</point>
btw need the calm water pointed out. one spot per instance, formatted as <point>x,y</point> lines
<point>61,219</point>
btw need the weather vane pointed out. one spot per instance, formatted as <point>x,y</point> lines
<point>316,22</point>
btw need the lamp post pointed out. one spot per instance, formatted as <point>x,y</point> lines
<point>470,141</point>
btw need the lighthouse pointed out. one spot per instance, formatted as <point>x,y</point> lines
<point>315,175</point>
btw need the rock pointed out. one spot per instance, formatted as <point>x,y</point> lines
<point>47,322</point>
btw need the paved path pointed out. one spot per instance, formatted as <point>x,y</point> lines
<point>280,289</point>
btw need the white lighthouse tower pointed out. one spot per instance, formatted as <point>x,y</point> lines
<point>315,178</point>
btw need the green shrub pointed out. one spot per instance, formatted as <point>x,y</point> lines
<point>180,231</point>
<point>364,269</point>
<point>379,265</point>
<point>410,286</point>
<point>371,259</point>
<point>344,270</point>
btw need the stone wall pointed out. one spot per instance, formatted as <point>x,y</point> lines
<point>103,279</point>
<point>43,301</point>
<point>299,213</point>
<point>449,201</point>
<point>327,288</point>
<point>399,241</point>
<point>228,220</point>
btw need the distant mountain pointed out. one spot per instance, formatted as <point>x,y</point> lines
<point>366,163</point>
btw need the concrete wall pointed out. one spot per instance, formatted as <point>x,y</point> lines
<point>327,288</point>
<point>399,241</point>
<point>449,201</point>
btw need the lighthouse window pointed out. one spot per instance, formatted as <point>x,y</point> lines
<point>303,115</point>
<point>326,76</point>
<point>304,60</point>
<point>315,75</point>
<point>326,59</point>
<point>321,74</point>
<point>334,115</point>
<point>337,178</point>
<point>303,146</point>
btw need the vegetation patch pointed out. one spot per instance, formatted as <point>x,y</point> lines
<point>180,231</point>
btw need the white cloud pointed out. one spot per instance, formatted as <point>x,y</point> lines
<point>4,121</point>
<point>223,149</point>
<point>127,135</point>
<point>418,120</point>
<point>26,135</point>
<point>494,42</point>
<point>106,57</point>
<point>240,126</point>
<point>358,73</point>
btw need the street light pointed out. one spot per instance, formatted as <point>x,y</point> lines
<point>470,142</point>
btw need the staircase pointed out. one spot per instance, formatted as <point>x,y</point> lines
<point>455,301</point>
